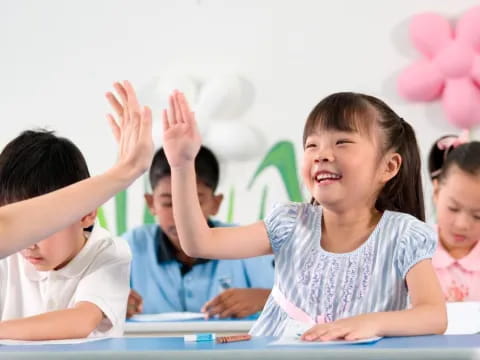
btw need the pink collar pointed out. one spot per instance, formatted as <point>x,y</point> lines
<point>470,262</point>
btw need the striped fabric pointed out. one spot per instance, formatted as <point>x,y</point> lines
<point>368,279</point>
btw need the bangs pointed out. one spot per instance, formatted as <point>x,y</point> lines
<point>345,111</point>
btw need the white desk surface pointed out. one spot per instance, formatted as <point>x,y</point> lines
<point>178,328</point>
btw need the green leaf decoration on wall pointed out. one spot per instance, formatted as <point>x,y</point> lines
<point>121,212</point>
<point>282,157</point>
<point>101,218</point>
<point>263,203</point>
<point>231,205</point>
<point>147,216</point>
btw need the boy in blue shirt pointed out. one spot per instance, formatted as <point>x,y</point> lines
<point>165,279</point>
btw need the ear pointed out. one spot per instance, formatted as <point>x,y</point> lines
<point>149,201</point>
<point>392,166</point>
<point>89,219</point>
<point>217,201</point>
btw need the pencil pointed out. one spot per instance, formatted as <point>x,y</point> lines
<point>232,338</point>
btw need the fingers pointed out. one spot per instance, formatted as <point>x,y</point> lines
<point>335,334</point>
<point>146,124</point>
<point>178,111</point>
<point>172,118</point>
<point>231,311</point>
<point>215,310</point>
<point>131,95</point>
<point>114,126</point>
<point>165,123</point>
<point>133,309</point>
<point>353,336</point>
<point>187,114</point>
<point>211,304</point>
<point>114,103</point>
<point>135,295</point>
<point>133,107</point>
<point>314,332</point>
<point>121,92</point>
<point>326,332</point>
<point>135,303</point>
<point>219,303</point>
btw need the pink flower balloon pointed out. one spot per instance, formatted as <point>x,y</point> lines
<point>450,69</point>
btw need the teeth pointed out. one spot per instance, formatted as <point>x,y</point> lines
<point>324,176</point>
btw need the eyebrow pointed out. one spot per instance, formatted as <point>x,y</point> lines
<point>456,203</point>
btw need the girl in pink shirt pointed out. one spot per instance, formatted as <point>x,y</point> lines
<point>455,170</point>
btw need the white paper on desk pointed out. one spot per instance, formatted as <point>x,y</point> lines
<point>463,318</point>
<point>294,341</point>
<point>295,328</point>
<point>50,342</point>
<point>169,316</point>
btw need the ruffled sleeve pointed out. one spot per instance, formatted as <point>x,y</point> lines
<point>280,224</point>
<point>418,243</point>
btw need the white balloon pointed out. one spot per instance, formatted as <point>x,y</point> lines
<point>157,91</point>
<point>234,141</point>
<point>178,81</point>
<point>224,97</point>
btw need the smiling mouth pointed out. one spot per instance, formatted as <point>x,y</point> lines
<point>327,178</point>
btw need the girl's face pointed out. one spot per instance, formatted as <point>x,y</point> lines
<point>457,199</point>
<point>343,169</point>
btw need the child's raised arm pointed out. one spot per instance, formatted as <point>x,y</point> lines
<point>26,222</point>
<point>181,141</point>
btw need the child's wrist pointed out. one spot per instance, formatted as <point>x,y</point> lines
<point>380,322</point>
<point>122,175</point>
<point>184,167</point>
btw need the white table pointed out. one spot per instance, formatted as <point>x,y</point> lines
<point>180,328</point>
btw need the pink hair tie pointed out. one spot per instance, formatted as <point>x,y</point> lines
<point>447,144</point>
<point>451,142</point>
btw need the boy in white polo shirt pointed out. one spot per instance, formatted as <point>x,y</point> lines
<point>74,283</point>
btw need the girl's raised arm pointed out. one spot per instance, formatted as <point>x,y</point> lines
<point>181,141</point>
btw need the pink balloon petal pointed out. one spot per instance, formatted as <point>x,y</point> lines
<point>421,81</point>
<point>468,28</point>
<point>476,70</point>
<point>430,32</point>
<point>455,60</point>
<point>461,101</point>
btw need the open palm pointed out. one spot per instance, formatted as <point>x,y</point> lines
<point>181,138</point>
<point>132,128</point>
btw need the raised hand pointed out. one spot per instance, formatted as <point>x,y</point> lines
<point>132,130</point>
<point>181,138</point>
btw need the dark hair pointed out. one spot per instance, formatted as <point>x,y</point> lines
<point>466,157</point>
<point>36,163</point>
<point>437,156</point>
<point>347,111</point>
<point>206,168</point>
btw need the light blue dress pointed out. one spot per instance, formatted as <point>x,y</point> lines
<point>334,286</point>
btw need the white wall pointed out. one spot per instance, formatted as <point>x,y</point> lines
<point>58,58</point>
